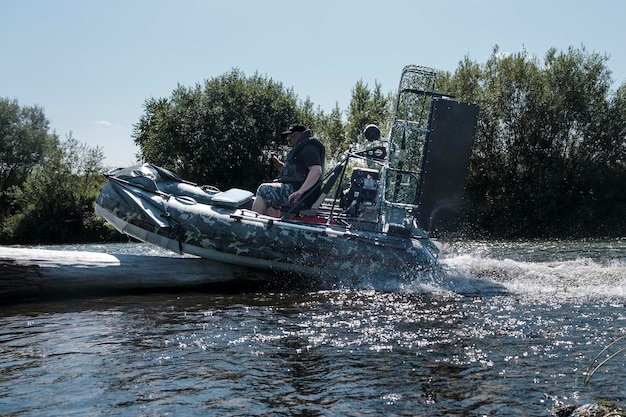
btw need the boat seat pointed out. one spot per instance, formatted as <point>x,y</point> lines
<point>232,198</point>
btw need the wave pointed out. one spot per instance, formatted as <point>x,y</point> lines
<point>570,278</point>
<point>567,269</point>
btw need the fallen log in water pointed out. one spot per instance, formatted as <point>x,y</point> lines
<point>37,272</point>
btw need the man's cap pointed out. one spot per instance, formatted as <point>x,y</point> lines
<point>298,127</point>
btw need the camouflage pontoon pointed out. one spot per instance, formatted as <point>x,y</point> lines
<point>400,189</point>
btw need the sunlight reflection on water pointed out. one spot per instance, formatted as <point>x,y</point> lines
<point>496,333</point>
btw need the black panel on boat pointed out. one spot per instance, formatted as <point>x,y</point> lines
<point>445,165</point>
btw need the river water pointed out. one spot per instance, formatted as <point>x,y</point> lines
<point>505,329</point>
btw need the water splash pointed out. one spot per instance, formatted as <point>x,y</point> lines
<point>582,277</point>
<point>567,269</point>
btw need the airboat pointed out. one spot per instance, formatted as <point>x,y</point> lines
<point>377,214</point>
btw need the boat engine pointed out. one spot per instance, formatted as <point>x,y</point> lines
<point>362,193</point>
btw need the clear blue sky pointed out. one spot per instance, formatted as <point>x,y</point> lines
<point>92,64</point>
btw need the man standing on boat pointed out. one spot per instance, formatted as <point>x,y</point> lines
<point>300,173</point>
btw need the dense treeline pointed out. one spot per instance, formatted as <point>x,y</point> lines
<point>549,158</point>
<point>550,155</point>
<point>47,186</point>
<point>222,132</point>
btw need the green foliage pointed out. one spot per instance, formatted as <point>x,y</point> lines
<point>24,142</point>
<point>55,202</point>
<point>366,107</point>
<point>220,132</point>
<point>549,156</point>
<point>333,135</point>
<point>308,115</point>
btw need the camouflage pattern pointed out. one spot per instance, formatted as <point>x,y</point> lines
<point>275,194</point>
<point>147,204</point>
<point>374,231</point>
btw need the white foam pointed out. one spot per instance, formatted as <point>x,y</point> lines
<point>578,277</point>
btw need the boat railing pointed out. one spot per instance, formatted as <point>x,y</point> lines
<point>254,217</point>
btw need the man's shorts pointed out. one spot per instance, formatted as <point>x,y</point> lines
<point>275,194</point>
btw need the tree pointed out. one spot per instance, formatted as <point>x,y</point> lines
<point>55,202</point>
<point>380,109</point>
<point>24,143</point>
<point>219,132</point>
<point>358,112</point>
<point>548,158</point>
<point>333,134</point>
<point>366,107</point>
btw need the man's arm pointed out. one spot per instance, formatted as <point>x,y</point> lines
<point>315,172</point>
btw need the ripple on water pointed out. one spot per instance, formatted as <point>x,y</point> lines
<point>492,334</point>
